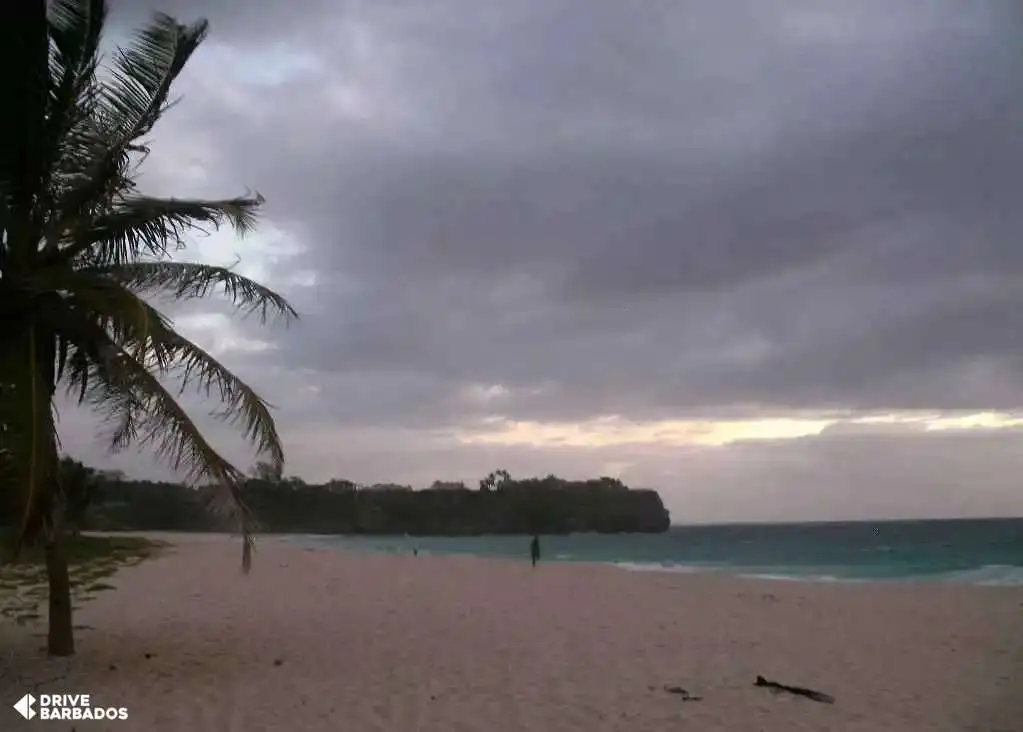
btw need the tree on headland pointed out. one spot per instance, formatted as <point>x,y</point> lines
<point>495,480</point>
<point>448,485</point>
<point>81,247</point>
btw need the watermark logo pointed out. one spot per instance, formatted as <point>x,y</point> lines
<point>24,706</point>
<point>66,707</point>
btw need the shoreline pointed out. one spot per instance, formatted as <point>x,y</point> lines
<point>977,576</point>
<point>969,577</point>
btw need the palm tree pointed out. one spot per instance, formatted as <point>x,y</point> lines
<point>80,248</point>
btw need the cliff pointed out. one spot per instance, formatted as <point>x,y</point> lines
<point>547,506</point>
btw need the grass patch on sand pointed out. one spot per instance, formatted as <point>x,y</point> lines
<point>91,559</point>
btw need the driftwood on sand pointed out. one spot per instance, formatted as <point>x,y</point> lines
<point>817,696</point>
<point>685,695</point>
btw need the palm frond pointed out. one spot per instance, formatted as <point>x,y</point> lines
<point>94,170</point>
<point>121,383</point>
<point>107,303</point>
<point>139,226</point>
<point>132,400</point>
<point>95,302</point>
<point>145,70</point>
<point>76,27</point>
<point>124,110</point>
<point>241,405</point>
<point>188,280</point>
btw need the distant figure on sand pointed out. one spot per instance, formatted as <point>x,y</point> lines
<point>534,549</point>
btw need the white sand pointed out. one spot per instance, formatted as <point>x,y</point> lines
<point>395,644</point>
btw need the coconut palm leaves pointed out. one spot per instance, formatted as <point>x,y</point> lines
<point>81,248</point>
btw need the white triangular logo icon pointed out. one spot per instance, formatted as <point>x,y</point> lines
<point>24,706</point>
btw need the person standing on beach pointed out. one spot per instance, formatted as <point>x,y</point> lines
<point>534,549</point>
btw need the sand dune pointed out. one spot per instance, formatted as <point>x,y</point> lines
<point>320,640</point>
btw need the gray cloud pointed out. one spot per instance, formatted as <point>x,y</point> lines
<point>656,211</point>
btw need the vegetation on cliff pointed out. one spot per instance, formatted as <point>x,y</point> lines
<point>500,505</point>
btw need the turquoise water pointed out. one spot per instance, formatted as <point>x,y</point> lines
<point>987,552</point>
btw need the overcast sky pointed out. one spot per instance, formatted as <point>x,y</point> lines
<point>765,256</point>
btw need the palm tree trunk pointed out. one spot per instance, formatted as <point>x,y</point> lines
<point>61,637</point>
<point>28,360</point>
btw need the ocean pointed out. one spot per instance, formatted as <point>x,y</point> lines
<point>974,551</point>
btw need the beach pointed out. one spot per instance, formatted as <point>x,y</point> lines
<point>320,639</point>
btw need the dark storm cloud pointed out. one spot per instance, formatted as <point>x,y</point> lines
<point>633,209</point>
